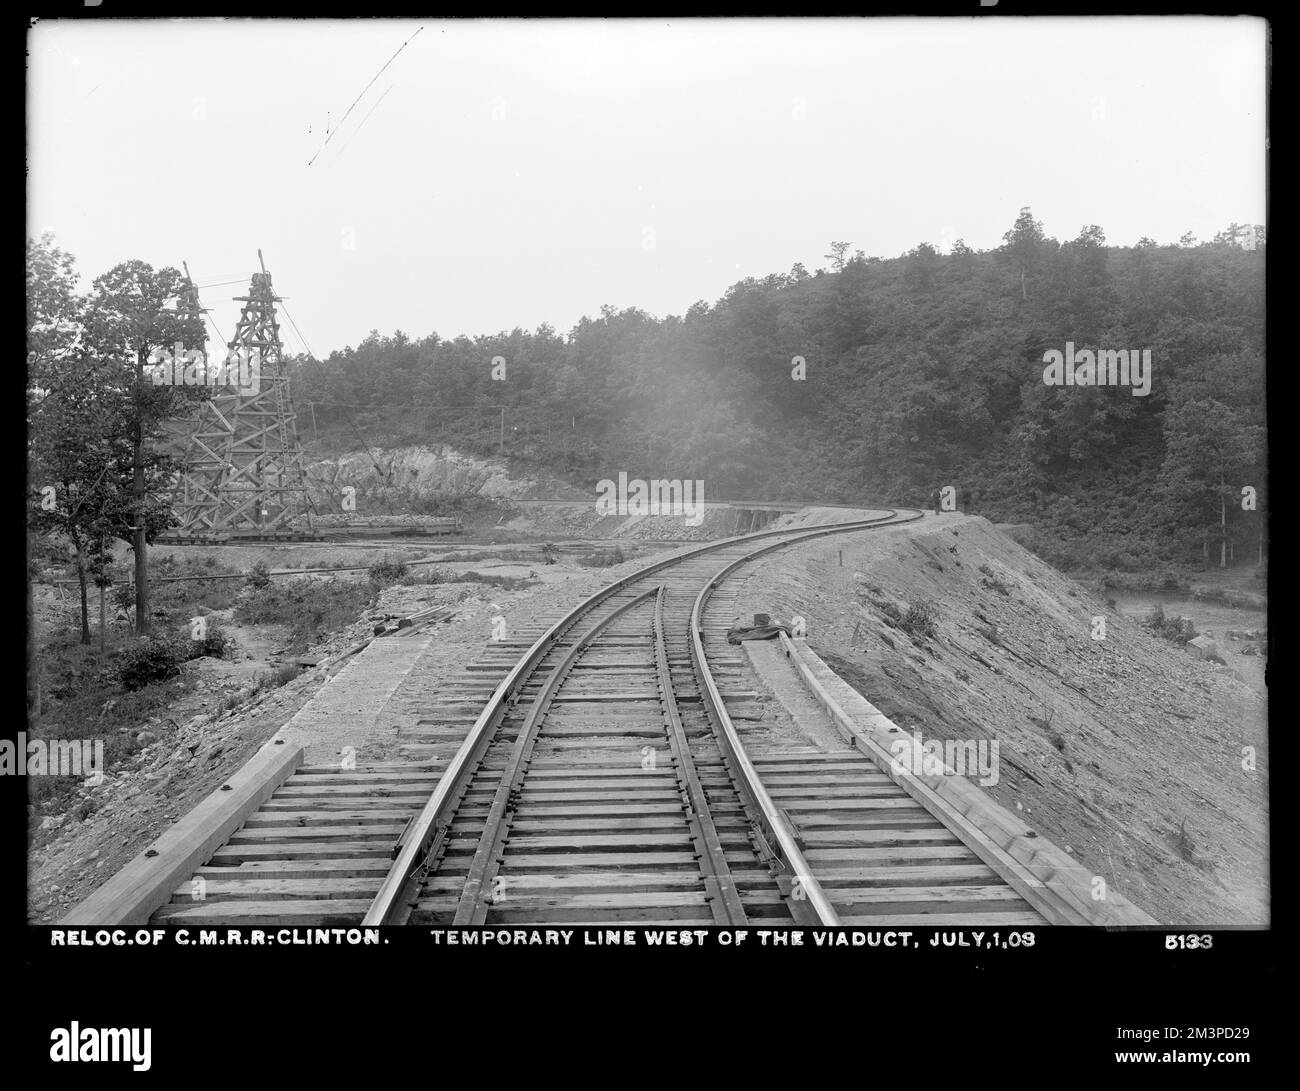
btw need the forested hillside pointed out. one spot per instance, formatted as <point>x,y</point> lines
<point>919,371</point>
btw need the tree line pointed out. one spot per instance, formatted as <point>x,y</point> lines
<point>97,467</point>
<point>881,380</point>
<point>869,380</point>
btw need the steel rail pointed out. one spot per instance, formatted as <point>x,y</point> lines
<point>719,886</point>
<point>483,869</point>
<point>801,888</point>
<point>418,846</point>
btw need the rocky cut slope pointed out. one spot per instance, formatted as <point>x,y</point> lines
<point>386,480</point>
<point>1148,765</point>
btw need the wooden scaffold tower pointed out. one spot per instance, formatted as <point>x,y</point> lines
<point>243,474</point>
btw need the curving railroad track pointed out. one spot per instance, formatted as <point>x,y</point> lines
<point>605,779</point>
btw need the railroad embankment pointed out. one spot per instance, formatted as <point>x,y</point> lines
<point>1143,761</point>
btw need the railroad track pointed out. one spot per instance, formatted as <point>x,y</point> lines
<point>604,778</point>
<point>616,787</point>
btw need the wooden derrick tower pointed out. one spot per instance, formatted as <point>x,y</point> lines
<point>243,474</point>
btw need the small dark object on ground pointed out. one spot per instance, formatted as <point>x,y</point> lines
<point>737,633</point>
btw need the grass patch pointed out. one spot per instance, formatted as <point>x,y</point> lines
<point>424,576</point>
<point>465,505</point>
<point>182,598</point>
<point>510,583</point>
<point>523,556</point>
<point>993,582</point>
<point>891,612</point>
<point>1165,579</point>
<point>386,572</point>
<point>309,608</point>
<point>83,698</point>
<point>603,558</point>
<point>919,621</point>
<point>281,676</point>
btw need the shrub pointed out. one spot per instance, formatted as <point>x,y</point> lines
<point>91,704</point>
<point>423,576</point>
<point>153,660</point>
<point>893,615</point>
<point>462,504</point>
<point>215,644</point>
<point>1173,581</point>
<point>919,620</point>
<point>260,575</point>
<point>309,608</point>
<point>177,599</point>
<point>278,677</point>
<point>385,573</point>
<point>1178,630</point>
<point>994,582</point>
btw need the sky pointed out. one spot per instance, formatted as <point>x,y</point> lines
<point>500,174</point>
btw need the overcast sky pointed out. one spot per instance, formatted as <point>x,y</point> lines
<point>501,174</point>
